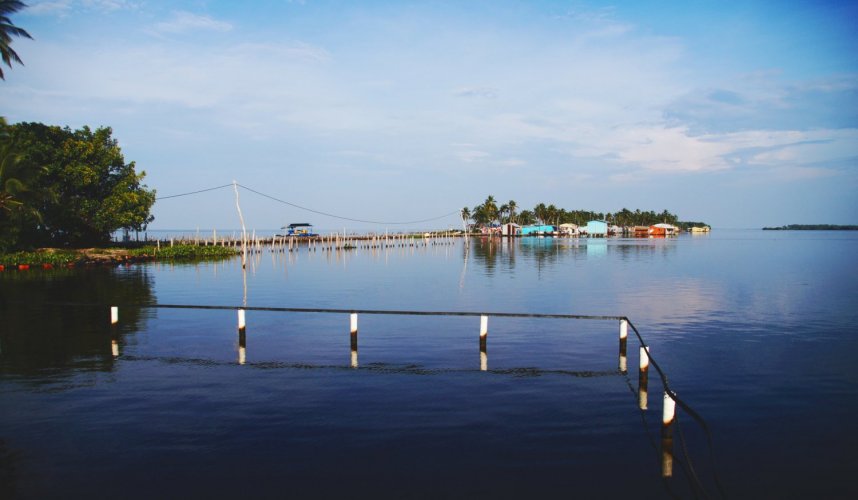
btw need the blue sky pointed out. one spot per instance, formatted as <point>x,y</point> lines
<point>741,114</point>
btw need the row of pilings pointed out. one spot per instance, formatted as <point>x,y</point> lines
<point>329,242</point>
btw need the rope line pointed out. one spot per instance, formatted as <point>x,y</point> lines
<point>390,312</point>
<point>695,481</point>
<point>684,406</point>
<point>192,192</point>
<point>326,214</point>
<point>342,217</point>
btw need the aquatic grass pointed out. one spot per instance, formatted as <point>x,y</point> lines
<point>185,252</point>
<point>53,258</point>
<point>48,258</point>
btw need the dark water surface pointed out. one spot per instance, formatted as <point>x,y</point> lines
<point>756,331</point>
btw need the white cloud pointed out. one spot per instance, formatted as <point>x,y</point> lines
<point>64,7</point>
<point>184,22</point>
<point>56,7</point>
<point>485,92</point>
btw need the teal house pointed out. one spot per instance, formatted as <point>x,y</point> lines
<point>597,228</point>
<point>537,230</point>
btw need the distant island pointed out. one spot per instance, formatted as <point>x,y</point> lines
<point>812,227</point>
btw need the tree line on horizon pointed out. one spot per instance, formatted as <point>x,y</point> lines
<point>66,188</point>
<point>489,212</point>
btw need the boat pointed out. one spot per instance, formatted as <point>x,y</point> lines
<point>299,229</point>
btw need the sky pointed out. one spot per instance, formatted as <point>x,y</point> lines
<point>738,114</point>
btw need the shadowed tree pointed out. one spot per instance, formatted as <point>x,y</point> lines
<point>7,31</point>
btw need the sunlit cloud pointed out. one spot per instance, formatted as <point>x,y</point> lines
<point>185,22</point>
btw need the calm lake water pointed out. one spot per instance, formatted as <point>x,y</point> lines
<point>755,330</point>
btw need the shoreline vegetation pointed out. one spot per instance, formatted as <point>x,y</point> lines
<point>812,227</point>
<point>50,258</point>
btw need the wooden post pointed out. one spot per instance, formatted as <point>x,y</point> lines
<point>484,331</point>
<point>666,457</point>
<point>643,377</point>
<point>668,417</point>
<point>242,326</point>
<point>353,334</point>
<point>243,229</point>
<point>114,321</point>
<point>624,337</point>
<point>242,347</point>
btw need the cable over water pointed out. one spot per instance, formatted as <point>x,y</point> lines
<point>319,212</point>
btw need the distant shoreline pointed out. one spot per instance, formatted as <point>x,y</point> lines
<point>812,227</point>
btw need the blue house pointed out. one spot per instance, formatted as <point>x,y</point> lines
<point>597,228</point>
<point>537,230</point>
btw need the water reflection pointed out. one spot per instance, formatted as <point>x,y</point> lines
<point>36,336</point>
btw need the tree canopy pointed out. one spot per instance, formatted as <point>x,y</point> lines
<point>7,31</point>
<point>63,187</point>
<point>488,213</point>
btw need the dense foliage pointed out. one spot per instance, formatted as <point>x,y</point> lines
<point>490,213</point>
<point>63,187</point>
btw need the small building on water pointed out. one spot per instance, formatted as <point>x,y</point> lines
<point>662,230</point>
<point>510,229</point>
<point>569,229</point>
<point>597,228</point>
<point>543,230</point>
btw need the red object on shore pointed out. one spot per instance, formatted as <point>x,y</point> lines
<point>23,267</point>
<point>47,266</point>
<point>2,267</point>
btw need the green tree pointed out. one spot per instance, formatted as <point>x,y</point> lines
<point>88,191</point>
<point>466,216</point>
<point>526,218</point>
<point>511,206</point>
<point>491,209</point>
<point>7,31</point>
<point>18,199</point>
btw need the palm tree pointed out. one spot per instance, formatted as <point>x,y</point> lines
<point>503,209</point>
<point>466,216</point>
<point>511,206</point>
<point>491,208</point>
<point>7,31</point>
<point>540,212</point>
